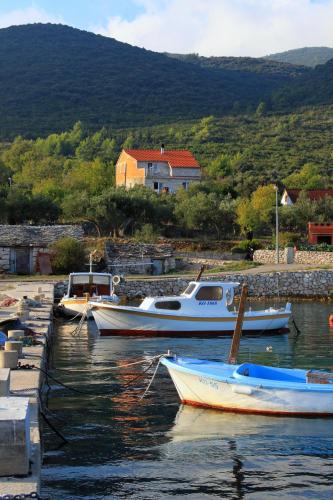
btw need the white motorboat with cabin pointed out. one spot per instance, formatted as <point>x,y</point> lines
<point>204,308</point>
<point>82,287</point>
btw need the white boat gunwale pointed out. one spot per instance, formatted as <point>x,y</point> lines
<point>257,383</point>
<point>249,316</point>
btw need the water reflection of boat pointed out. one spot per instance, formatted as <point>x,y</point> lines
<point>202,309</point>
<point>197,423</point>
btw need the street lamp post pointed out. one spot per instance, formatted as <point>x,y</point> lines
<point>276,225</point>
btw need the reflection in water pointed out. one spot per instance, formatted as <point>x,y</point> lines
<point>199,423</point>
<point>155,448</point>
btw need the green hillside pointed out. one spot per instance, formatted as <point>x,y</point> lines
<point>282,71</point>
<point>306,56</point>
<point>312,88</point>
<point>54,75</point>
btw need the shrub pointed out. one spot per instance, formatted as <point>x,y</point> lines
<point>68,255</point>
<point>321,247</point>
<point>287,239</point>
<point>246,246</point>
<point>146,234</point>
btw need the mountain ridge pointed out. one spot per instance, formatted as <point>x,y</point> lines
<point>305,56</point>
<point>52,76</point>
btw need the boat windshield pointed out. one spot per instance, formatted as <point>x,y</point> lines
<point>189,289</point>
<point>209,293</point>
<point>93,284</point>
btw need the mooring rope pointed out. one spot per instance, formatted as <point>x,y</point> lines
<point>77,331</point>
<point>151,380</point>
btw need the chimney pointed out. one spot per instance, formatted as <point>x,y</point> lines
<point>162,149</point>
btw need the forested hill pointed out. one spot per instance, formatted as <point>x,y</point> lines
<point>312,89</point>
<point>306,56</point>
<point>53,75</point>
<point>281,70</point>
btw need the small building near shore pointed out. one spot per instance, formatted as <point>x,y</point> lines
<point>320,233</point>
<point>139,258</point>
<point>21,245</point>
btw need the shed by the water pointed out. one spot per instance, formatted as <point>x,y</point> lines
<point>20,245</point>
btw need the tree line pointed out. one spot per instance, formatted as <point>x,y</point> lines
<point>70,177</point>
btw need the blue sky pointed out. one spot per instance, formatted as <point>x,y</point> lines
<point>79,13</point>
<point>207,27</point>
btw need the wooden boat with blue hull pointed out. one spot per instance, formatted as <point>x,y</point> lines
<point>203,309</point>
<point>251,388</point>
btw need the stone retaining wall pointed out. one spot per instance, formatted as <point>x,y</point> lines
<point>288,284</point>
<point>299,257</point>
<point>302,257</point>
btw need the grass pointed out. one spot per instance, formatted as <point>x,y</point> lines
<point>33,277</point>
<point>230,266</point>
<point>233,266</point>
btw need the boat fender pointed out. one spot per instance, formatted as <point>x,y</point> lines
<point>242,389</point>
<point>116,279</point>
<point>331,320</point>
<point>229,294</point>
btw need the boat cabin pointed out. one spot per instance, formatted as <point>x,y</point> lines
<point>93,284</point>
<point>199,295</point>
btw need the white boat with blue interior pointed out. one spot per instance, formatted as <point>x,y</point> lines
<point>251,388</point>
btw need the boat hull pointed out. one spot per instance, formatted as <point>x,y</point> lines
<point>206,391</point>
<point>131,322</point>
<point>74,307</point>
<point>187,333</point>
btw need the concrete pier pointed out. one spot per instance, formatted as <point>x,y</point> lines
<point>23,401</point>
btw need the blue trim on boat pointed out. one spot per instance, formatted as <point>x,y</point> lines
<point>266,377</point>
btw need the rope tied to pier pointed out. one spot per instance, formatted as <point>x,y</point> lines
<point>77,331</point>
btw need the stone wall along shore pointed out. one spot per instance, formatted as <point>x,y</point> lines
<point>303,284</point>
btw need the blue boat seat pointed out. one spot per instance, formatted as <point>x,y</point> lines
<point>268,373</point>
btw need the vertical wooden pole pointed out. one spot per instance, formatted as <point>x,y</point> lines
<point>238,328</point>
<point>202,268</point>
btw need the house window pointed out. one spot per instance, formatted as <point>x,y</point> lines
<point>150,168</point>
<point>158,186</point>
<point>185,185</point>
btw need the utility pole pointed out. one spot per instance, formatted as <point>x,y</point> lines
<point>277,259</point>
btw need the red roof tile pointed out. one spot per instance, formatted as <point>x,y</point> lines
<point>313,194</point>
<point>176,158</point>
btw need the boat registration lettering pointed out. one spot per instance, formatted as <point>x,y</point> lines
<point>207,302</point>
<point>211,383</point>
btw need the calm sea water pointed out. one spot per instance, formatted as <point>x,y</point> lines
<point>121,446</point>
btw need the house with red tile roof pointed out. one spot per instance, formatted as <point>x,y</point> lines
<point>161,170</point>
<point>290,196</point>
